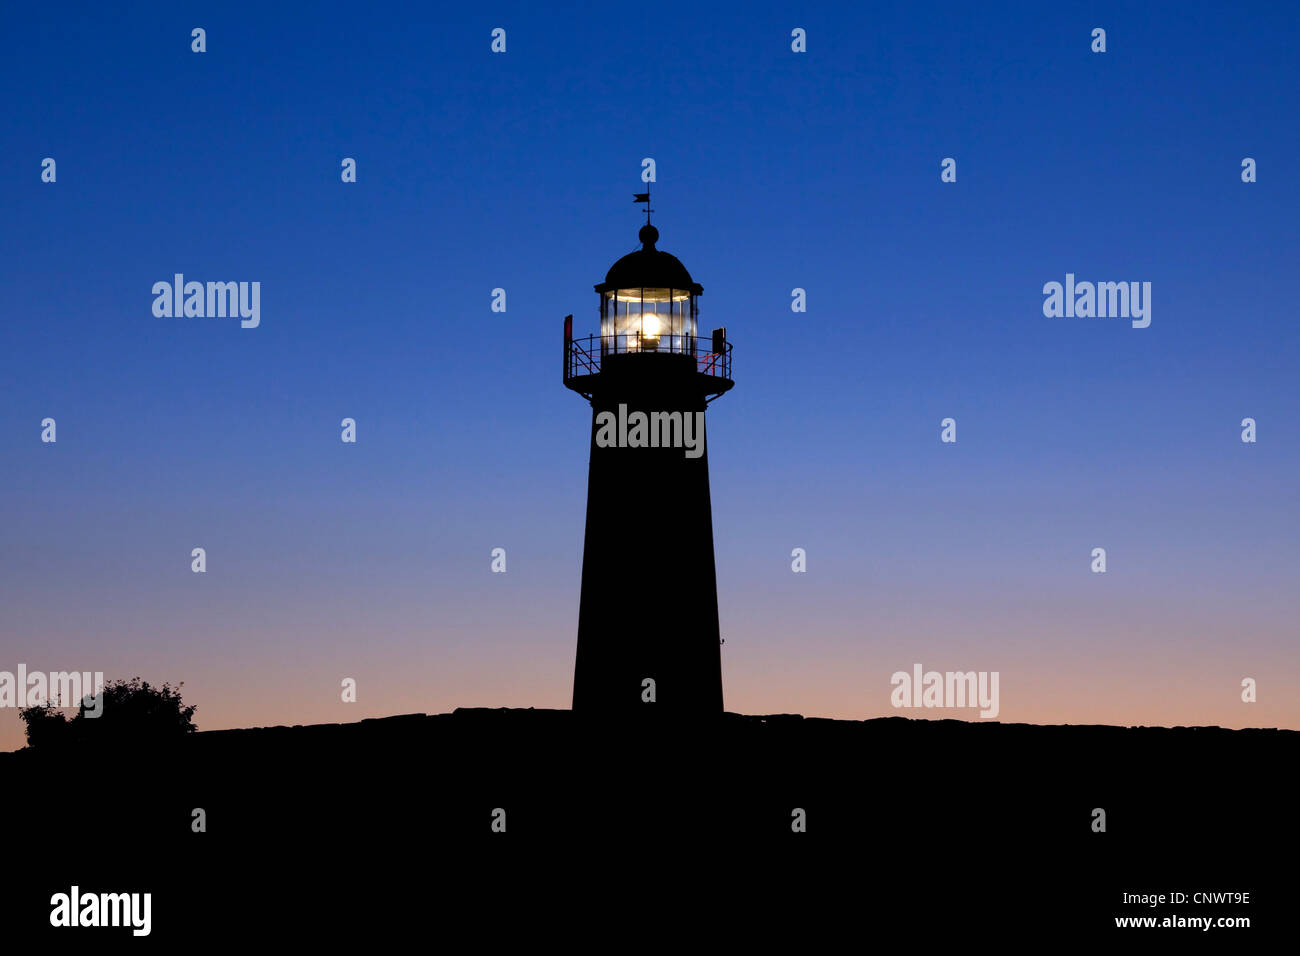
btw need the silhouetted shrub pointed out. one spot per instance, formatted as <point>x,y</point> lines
<point>47,726</point>
<point>129,712</point>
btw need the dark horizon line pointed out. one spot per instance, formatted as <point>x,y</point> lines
<point>674,719</point>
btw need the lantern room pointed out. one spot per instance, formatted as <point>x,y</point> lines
<point>648,302</point>
<point>649,306</point>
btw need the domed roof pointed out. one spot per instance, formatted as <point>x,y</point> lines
<point>649,268</point>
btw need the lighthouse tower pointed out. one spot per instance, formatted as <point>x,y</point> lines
<point>648,617</point>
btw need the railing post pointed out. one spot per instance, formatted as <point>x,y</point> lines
<point>568,338</point>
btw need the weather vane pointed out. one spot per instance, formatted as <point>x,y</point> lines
<point>645,198</point>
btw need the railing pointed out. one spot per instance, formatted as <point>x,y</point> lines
<point>583,356</point>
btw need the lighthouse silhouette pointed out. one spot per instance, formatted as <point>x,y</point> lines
<point>648,635</point>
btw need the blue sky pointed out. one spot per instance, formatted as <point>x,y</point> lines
<point>775,170</point>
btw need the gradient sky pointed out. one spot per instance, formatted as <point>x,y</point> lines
<point>775,170</point>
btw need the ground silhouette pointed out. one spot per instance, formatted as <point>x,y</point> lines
<point>906,820</point>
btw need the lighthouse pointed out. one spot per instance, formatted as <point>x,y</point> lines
<point>648,636</point>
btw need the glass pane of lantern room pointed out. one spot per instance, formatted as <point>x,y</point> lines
<point>650,322</point>
<point>627,328</point>
<point>670,321</point>
<point>624,320</point>
<point>661,319</point>
<point>608,312</point>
